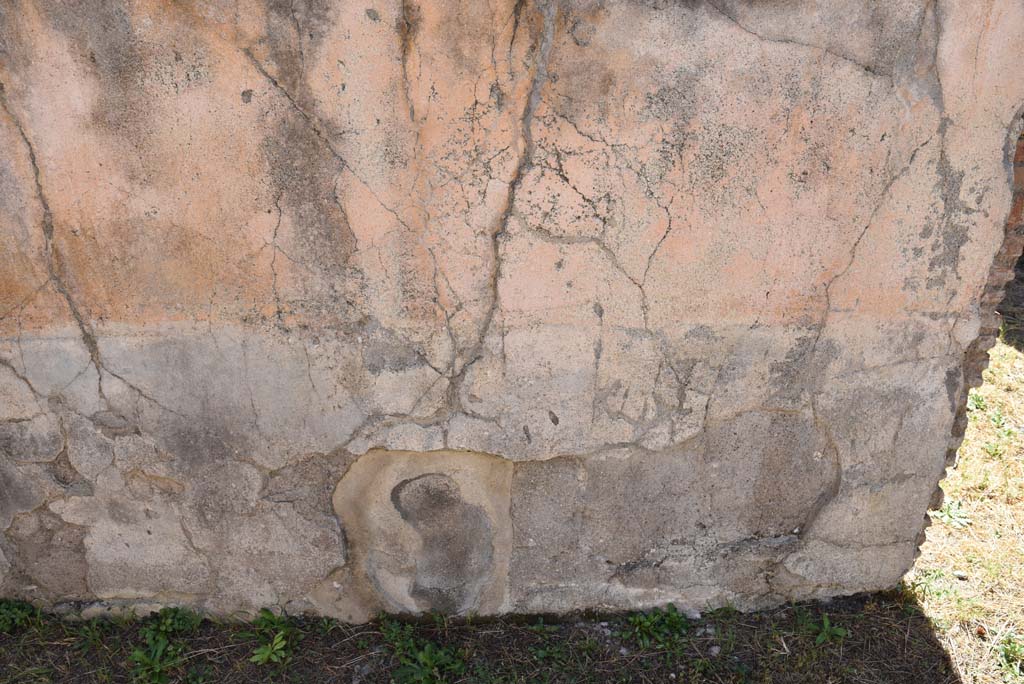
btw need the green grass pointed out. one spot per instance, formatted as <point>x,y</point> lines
<point>970,575</point>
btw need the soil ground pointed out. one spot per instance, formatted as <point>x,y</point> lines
<point>866,639</point>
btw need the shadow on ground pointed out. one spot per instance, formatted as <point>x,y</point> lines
<point>871,638</point>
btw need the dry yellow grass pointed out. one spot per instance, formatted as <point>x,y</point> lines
<point>970,576</point>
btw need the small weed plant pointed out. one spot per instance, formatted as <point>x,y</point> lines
<point>274,651</point>
<point>90,634</point>
<point>1011,657</point>
<point>976,402</point>
<point>552,654</point>
<point>421,661</point>
<point>540,627</point>
<point>161,656</point>
<point>276,635</point>
<point>155,663</point>
<point>176,621</point>
<point>933,582</point>
<point>997,418</point>
<point>16,615</point>
<point>661,628</point>
<point>953,514</point>
<point>993,449</point>
<point>828,633</point>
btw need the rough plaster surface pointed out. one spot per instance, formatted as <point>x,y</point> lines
<point>522,305</point>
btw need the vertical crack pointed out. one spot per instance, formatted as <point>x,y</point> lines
<point>273,264</point>
<point>51,254</point>
<point>407,33</point>
<point>540,77</point>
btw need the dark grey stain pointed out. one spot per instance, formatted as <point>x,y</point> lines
<point>458,556</point>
